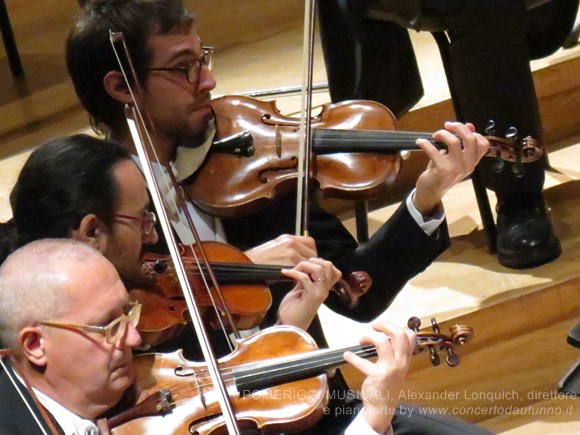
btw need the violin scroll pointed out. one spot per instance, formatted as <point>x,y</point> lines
<point>356,285</point>
<point>507,149</point>
<point>436,342</point>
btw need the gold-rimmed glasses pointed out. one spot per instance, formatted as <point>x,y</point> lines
<point>148,221</point>
<point>192,70</point>
<point>113,331</point>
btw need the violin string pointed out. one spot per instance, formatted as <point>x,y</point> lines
<point>231,271</point>
<point>249,269</point>
<point>320,359</point>
<point>225,270</point>
<point>294,363</point>
<point>388,137</point>
<point>289,364</point>
<point>237,267</point>
<point>323,360</point>
<point>376,133</point>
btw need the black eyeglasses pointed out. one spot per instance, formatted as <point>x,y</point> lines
<point>192,70</point>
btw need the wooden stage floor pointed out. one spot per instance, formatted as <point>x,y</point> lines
<point>520,317</point>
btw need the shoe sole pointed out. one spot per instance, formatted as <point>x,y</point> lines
<point>534,259</point>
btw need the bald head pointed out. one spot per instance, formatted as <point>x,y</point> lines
<point>53,293</point>
<point>35,280</point>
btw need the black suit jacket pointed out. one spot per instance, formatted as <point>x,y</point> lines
<point>15,417</point>
<point>398,251</point>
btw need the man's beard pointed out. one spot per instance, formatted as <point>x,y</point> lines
<point>189,158</point>
<point>141,279</point>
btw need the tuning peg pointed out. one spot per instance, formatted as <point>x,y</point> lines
<point>435,325</point>
<point>490,128</point>
<point>414,323</point>
<point>511,134</point>
<point>461,334</point>
<point>452,358</point>
<point>160,266</point>
<point>434,356</point>
<point>498,166</point>
<point>518,170</point>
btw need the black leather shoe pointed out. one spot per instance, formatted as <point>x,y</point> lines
<point>524,233</point>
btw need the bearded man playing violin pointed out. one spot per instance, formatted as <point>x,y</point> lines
<point>175,81</point>
<point>71,328</point>
<point>90,190</point>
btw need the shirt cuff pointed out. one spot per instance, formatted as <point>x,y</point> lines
<point>359,426</point>
<point>430,224</point>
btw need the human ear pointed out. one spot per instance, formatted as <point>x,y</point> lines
<point>32,342</point>
<point>115,85</point>
<point>91,232</point>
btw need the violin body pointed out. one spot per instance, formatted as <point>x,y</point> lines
<point>355,154</point>
<point>242,284</point>
<point>161,318</point>
<point>247,302</point>
<point>284,408</point>
<point>275,379</point>
<point>228,185</point>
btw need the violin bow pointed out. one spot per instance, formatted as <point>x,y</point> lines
<point>305,146</point>
<point>137,127</point>
<point>139,133</point>
<point>346,294</point>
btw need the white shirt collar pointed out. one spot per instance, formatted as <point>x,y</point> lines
<point>208,227</point>
<point>70,423</point>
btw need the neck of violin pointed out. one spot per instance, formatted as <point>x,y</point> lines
<point>329,141</point>
<point>252,377</point>
<point>232,273</point>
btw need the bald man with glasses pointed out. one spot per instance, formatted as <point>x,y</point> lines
<point>67,318</point>
<point>68,321</point>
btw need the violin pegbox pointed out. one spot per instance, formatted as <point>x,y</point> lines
<point>510,148</point>
<point>499,164</point>
<point>436,342</point>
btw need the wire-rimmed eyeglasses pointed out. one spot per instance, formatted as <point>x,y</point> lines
<point>192,70</point>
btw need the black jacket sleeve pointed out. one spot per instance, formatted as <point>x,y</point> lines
<point>398,251</point>
<point>15,417</point>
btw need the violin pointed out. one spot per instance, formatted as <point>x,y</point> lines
<point>282,394</point>
<point>255,156</point>
<point>243,286</point>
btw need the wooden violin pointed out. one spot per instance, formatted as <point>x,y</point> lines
<point>276,380</point>
<point>354,143</point>
<point>243,286</point>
